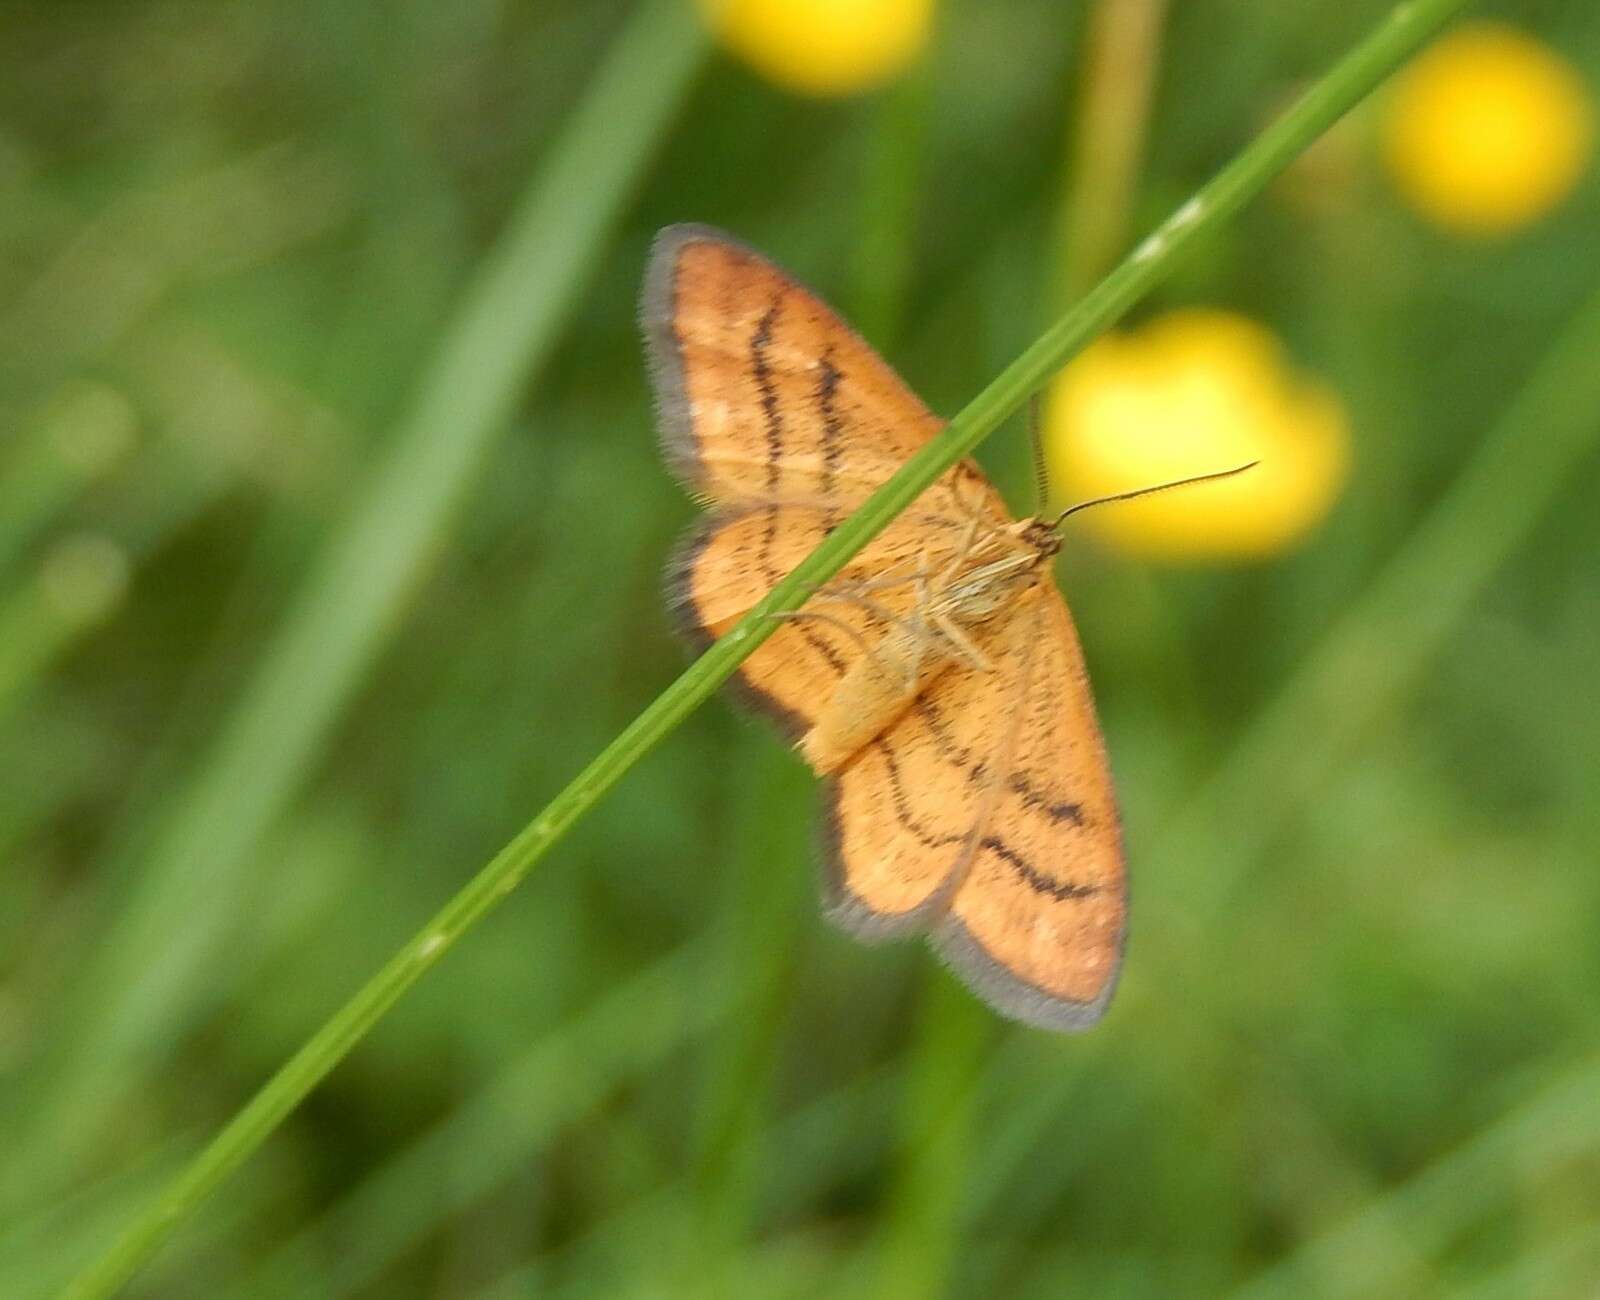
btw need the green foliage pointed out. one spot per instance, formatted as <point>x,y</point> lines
<point>343,599</point>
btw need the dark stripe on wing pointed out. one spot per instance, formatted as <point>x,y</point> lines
<point>1036,880</point>
<point>958,755</point>
<point>832,422</point>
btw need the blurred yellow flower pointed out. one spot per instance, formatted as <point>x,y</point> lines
<point>1195,392</point>
<point>1487,130</point>
<point>823,47</point>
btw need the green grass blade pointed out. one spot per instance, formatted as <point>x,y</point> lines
<point>1407,26</point>
<point>577,1067</point>
<point>768,882</point>
<point>76,440</point>
<point>1558,1125</point>
<point>79,584</point>
<point>921,1240</point>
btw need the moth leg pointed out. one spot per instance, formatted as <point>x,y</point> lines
<point>889,580</point>
<point>849,593</point>
<point>911,635</point>
<point>978,520</point>
<point>916,636</point>
<point>914,631</point>
<point>798,614</point>
<point>920,639</point>
<point>878,611</point>
<point>861,587</point>
<point>962,643</point>
<point>919,628</point>
<point>972,512</point>
<point>948,574</point>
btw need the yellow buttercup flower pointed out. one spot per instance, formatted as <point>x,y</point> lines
<point>823,47</point>
<point>1194,392</point>
<point>1487,130</point>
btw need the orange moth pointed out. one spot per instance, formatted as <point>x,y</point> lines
<point>935,684</point>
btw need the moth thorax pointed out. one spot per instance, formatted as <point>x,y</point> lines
<point>975,607</point>
<point>990,588</point>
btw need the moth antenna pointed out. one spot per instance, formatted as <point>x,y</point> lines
<point>1148,491</point>
<point>1041,476</point>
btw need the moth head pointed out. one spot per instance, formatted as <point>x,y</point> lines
<point>1041,535</point>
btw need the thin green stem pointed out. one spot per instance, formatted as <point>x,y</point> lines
<point>625,1034</point>
<point>917,1248</point>
<point>1405,29</point>
<point>1122,49</point>
<point>80,436</point>
<point>766,879</point>
<point>888,218</point>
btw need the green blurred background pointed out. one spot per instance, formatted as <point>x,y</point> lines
<point>330,531</point>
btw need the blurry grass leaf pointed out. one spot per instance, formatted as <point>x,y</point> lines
<point>1556,1126</point>
<point>573,1069</point>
